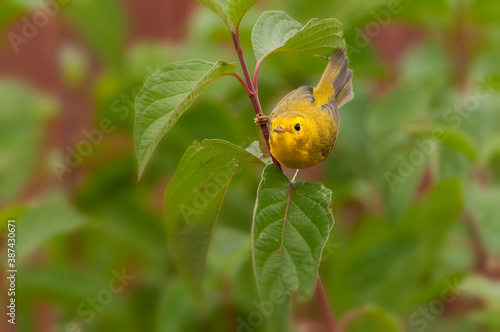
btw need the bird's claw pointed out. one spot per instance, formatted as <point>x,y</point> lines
<point>261,119</point>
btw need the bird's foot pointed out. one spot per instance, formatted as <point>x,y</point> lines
<point>261,119</point>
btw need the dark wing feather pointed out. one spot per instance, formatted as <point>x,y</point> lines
<point>333,110</point>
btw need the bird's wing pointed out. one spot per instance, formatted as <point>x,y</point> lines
<point>333,110</point>
<point>297,95</point>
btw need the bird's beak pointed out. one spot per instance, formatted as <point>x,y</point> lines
<point>279,130</point>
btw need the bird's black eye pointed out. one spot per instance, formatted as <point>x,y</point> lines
<point>297,127</point>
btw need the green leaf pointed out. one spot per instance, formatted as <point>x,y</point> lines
<point>383,252</point>
<point>230,249</point>
<point>397,174</point>
<point>44,221</point>
<point>103,24</point>
<point>289,236</point>
<point>26,4</point>
<point>437,211</point>
<point>435,14</point>
<point>237,9</point>
<point>458,141</point>
<point>484,12</point>
<point>484,207</point>
<point>454,139</point>
<point>166,95</point>
<point>193,199</point>
<point>174,306</point>
<point>10,11</point>
<point>219,7</point>
<point>254,149</point>
<point>64,284</point>
<point>383,320</point>
<point>276,32</point>
<point>230,11</point>
<point>22,128</point>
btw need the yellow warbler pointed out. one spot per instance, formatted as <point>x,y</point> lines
<point>305,123</point>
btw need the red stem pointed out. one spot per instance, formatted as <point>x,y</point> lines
<point>324,306</point>
<point>251,91</point>
<point>349,317</point>
<point>477,243</point>
<point>239,51</point>
<point>238,77</point>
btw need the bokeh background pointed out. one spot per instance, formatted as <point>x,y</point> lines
<point>415,172</point>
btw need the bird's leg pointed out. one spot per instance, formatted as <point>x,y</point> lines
<point>261,119</point>
<point>296,172</point>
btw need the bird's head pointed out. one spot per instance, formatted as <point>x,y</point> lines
<point>291,135</point>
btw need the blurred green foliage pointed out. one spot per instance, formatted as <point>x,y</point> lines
<point>397,245</point>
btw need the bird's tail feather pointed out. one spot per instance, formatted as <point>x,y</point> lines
<point>339,76</point>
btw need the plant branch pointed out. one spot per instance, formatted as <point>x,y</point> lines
<point>324,306</point>
<point>477,243</point>
<point>238,77</point>
<point>349,317</point>
<point>461,40</point>
<point>241,57</point>
<point>251,91</point>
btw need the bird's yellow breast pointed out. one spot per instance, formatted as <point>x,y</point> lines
<point>291,155</point>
